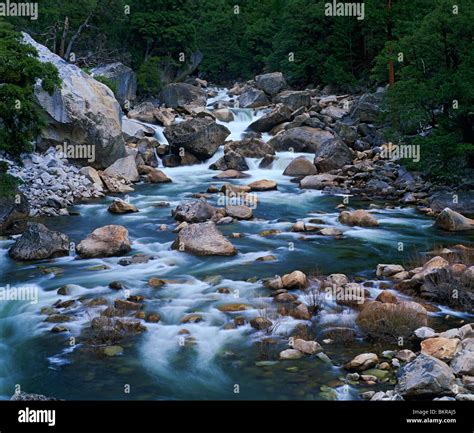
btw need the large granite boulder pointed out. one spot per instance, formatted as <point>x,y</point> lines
<point>332,155</point>
<point>107,241</point>
<point>271,83</point>
<point>178,95</point>
<point>83,112</point>
<point>294,99</point>
<point>268,121</point>
<point>196,211</point>
<point>253,98</point>
<point>122,76</point>
<point>203,239</point>
<point>250,147</point>
<point>452,221</point>
<point>301,139</point>
<point>201,137</point>
<point>38,242</point>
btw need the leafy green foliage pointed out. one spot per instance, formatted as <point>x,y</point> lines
<point>149,76</point>
<point>20,118</point>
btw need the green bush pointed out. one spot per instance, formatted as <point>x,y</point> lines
<point>20,117</point>
<point>149,77</point>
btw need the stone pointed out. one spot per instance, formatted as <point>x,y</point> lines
<point>203,239</point>
<point>196,211</point>
<point>442,348</point>
<point>294,99</point>
<point>425,332</point>
<point>38,242</point>
<point>263,185</point>
<point>271,83</point>
<point>425,376</point>
<point>301,139</point>
<point>124,168</point>
<point>224,115</point>
<point>122,76</point>
<point>384,270</point>
<point>230,161</point>
<point>120,206</point>
<point>157,176</point>
<point>452,221</point>
<point>268,121</point>
<point>362,362</point>
<point>289,354</point>
<point>192,318</point>
<point>81,112</point>
<point>250,147</point>
<point>260,323</point>
<point>240,212</point>
<point>330,231</point>
<point>24,396</point>
<point>318,181</point>
<point>463,363</point>
<point>201,137</point>
<point>405,355</point>
<point>307,347</point>
<point>122,304</point>
<point>359,218</point>
<point>300,167</point>
<point>179,95</point>
<point>301,312</point>
<point>112,350</point>
<point>107,241</point>
<point>253,98</point>
<point>333,154</point>
<point>233,307</point>
<point>294,280</point>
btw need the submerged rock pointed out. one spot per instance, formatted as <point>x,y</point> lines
<point>38,242</point>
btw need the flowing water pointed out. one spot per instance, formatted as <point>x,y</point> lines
<point>155,364</point>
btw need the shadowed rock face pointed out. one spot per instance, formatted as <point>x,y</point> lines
<point>123,77</point>
<point>13,214</point>
<point>82,112</point>
<point>203,239</point>
<point>37,243</point>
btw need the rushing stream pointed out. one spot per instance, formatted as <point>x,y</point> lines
<point>154,363</point>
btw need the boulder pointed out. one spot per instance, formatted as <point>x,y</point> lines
<point>386,297</point>
<point>144,112</point>
<point>271,83</point>
<point>92,174</point>
<point>82,112</point>
<point>335,113</point>
<point>196,211</point>
<point>178,95</point>
<point>300,167</point>
<point>384,270</point>
<point>307,347</point>
<point>367,108</point>
<point>294,280</point>
<point>318,181</point>
<point>301,139</point>
<point>14,209</point>
<point>425,332</point>
<point>441,348</point>
<point>202,137</point>
<point>452,221</point>
<point>389,320</point>
<point>253,98</point>
<point>107,241</point>
<point>121,206</point>
<point>463,363</point>
<point>425,376</point>
<point>134,131</point>
<point>124,168</point>
<point>250,147</point>
<point>444,199</point>
<point>268,121</point>
<point>260,323</point>
<point>157,176</point>
<point>362,362</point>
<point>230,161</point>
<point>240,212</point>
<point>263,185</point>
<point>359,218</point>
<point>38,243</point>
<point>405,355</point>
<point>223,114</point>
<point>203,239</point>
<point>332,155</point>
<point>122,76</point>
<point>294,99</point>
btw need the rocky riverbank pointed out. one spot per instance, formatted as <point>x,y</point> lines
<point>231,198</point>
